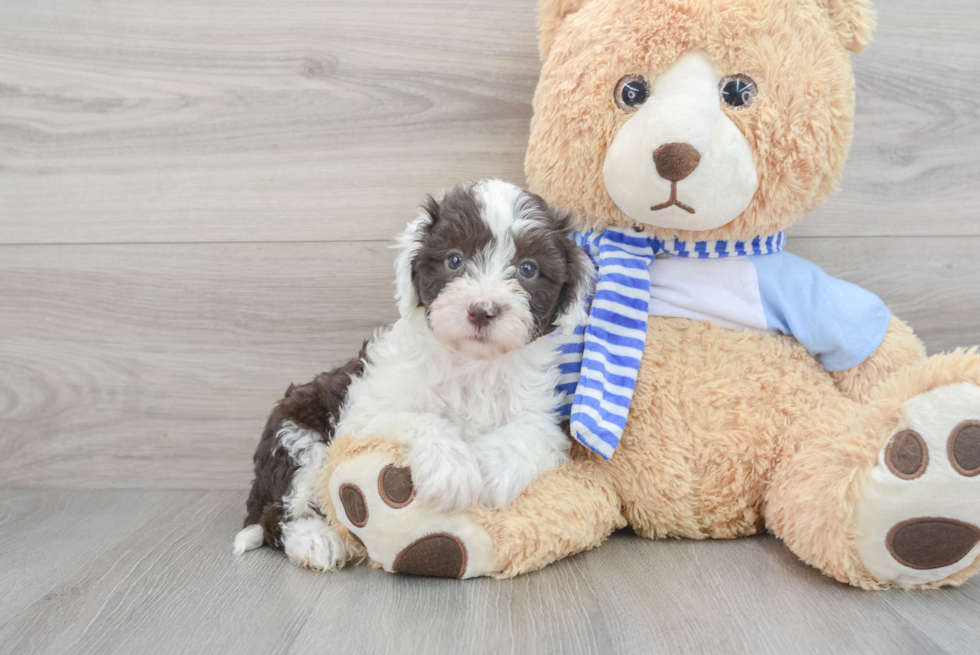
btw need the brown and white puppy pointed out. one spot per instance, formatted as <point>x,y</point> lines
<point>465,381</point>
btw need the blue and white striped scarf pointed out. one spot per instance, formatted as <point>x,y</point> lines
<point>599,362</point>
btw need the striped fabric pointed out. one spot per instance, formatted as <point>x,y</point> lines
<point>721,249</point>
<point>599,362</point>
<point>614,338</point>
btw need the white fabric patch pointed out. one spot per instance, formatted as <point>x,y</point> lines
<point>720,291</point>
<point>939,492</point>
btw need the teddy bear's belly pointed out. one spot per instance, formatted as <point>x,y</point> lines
<point>712,408</point>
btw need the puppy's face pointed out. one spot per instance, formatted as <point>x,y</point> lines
<point>493,268</point>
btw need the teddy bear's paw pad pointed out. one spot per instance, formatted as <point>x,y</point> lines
<point>906,455</point>
<point>355,506</point>
<point>395,486</point>
<point>375,497</point>
<point>964,448</point>
<point>931,543</point>
<point>437,555</point>
<point>919,513</point>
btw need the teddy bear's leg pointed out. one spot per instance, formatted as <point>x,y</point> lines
<point>565,511</point>
<point>888,493</point>
<point>368,494</point>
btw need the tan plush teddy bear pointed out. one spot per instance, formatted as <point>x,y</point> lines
<point>726,387</point>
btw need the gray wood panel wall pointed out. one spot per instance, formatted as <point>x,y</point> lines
<point>196,200</point>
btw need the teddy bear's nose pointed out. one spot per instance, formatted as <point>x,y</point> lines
<point>675,161</point>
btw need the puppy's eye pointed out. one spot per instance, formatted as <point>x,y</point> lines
<point>631,92</point>
<point>738,91</point>
<point>454,262</point>
<point>527,269</point>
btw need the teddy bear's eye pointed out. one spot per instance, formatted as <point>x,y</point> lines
<point>738,91</point>
<point>631,92</point>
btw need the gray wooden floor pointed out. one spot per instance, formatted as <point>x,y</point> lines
<point>149,571</point>
<point>196,199</point>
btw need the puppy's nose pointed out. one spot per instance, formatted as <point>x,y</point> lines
<point>675,161</point>
<point>481,315</point>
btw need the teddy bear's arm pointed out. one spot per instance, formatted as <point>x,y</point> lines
<point>899,348</point>
<point>838,322</point>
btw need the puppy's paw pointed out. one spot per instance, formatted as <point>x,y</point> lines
<point>446,475</point>
<point>310,543</point>
<point>503,488</point>
<point>505,476</point>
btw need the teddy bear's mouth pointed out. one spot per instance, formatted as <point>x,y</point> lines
<point>673,202</point>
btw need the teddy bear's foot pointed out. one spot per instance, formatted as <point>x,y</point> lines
<point>374,498</point>
<point>367,489</point>
<point>918,519</point>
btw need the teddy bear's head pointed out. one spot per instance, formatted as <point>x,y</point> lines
<point>702,119</point>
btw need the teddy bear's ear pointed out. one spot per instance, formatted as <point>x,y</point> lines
<point>551,14</point>
<point>854,21</point>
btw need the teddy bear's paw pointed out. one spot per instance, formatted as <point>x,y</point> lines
<point>377,500</point>
<point>919,517</point>
<point>309,542</point>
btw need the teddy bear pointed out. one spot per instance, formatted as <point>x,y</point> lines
<point>724,387</point>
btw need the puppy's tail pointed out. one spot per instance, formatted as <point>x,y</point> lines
<point>248,538</point>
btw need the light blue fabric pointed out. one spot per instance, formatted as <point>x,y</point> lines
<point>839,323</point>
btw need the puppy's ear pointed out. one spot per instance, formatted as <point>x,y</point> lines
<point>551,14</point>
<point>408,245</point>
<point>854,22</point>
<point>580,276</point>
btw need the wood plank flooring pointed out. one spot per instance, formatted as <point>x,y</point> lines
<point>196,199</point>
<point>150,571</point>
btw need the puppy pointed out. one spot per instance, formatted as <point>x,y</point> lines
<point>465,380</point>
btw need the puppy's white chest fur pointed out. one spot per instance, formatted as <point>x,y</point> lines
<point>485,395</point>
<point>409,370</point>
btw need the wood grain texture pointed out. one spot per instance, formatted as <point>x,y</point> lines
<point>300,120</point>
<point>914,163</point>
<point>253,121</point>
<point>156,365</point>
<point>164,581</point>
